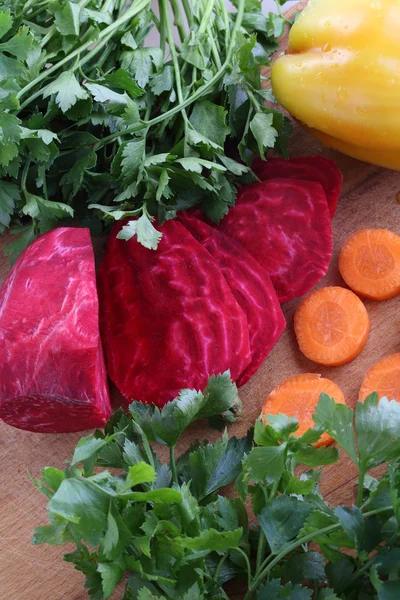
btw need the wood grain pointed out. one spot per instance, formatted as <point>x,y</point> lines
<point>38,572</point>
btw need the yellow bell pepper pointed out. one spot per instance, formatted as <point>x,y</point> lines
<point>341,76</point>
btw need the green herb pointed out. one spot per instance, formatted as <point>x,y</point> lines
<point>97,125</point>
<point>165,530</point>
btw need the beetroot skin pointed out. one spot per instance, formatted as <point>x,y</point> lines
<point>308,168</point>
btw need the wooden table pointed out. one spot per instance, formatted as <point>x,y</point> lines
<point>369,199</point>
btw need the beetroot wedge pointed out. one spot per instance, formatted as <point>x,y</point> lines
<point>168,318</point>
<point>308,168</point>
<point>251,286</point>
<point>52,373</point>
<point>286,226</point>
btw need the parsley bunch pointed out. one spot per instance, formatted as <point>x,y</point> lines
<point>165,530</point>
<point>96,125</point>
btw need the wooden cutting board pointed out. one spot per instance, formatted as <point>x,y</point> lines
<point>370,198</point>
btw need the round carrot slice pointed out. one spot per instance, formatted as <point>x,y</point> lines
<point>331,326</point>
<point>384,378</point>
<point>370,263</point>
<point>297,397</point>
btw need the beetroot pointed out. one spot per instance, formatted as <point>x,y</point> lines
<point>251,286</point>
<point>52,373</point>
<point>168,318</point>
<point>309,168</point>
<point>286,226</point>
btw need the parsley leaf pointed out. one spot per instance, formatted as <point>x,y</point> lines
<point>5,22</point>
<point>67,90</point>
<point>264,132</point>
<point>165,525</point>
<point>9,196</point>
<point>337,420</point>
<point>215,465</point>
<point>266,465</point>
<point>378,430</point>
<point>66,18</point>
<point>282,519</point>
<point>210,121</point>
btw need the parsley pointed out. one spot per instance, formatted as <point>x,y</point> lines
<point>95,121</point>
<point>165,530</point>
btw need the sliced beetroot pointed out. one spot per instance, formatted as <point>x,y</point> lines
<point>309,168</point>
<point>251,286</point>
<point>168,318</point>
<point>52,373</point>
<point>286,226</point>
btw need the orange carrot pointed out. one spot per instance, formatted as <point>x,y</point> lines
<point>331,326</point>
<point>384,378</point>
<point>370,263</point>
<point>297,397</point>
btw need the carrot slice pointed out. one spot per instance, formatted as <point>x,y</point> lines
<point>331,326</point>
<point>370,263</point>
<point>297,397</point>
<point>384,378</point>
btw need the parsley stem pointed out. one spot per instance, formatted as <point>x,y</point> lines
<point>188,12</point>
<point>262,542</point>
<point>253,100</point>
<point>103,57</point>
<point>134,9</point>
<point>27,7</point>
<point>156,20</point>
<point>280,13</point>
<point>357,574</point>
<point>25,175</point>
<point>214,48</point>
<point>200,92</point>
<point>246,558</point>
<point>162,27</point>
<point>225,18</point>
<point>106,6</point>
<point>145,442</point>
<point>274,489</point>
<point>44,182</point>
<point>48,36</point>
<point>76,65</point>
<point>178,20</point>
<point>170,39</point>
<point>268,564</point>
<point>219,566</point>
<point>360,489</point>
<point>34,13</point>
<point>173,464</point>
<point>205,20</point>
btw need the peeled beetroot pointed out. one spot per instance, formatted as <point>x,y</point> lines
<point>251,286</point>
<point>308,168</point>
<point>52,373</point>
<point>286,226</point>
<point>168,318</point>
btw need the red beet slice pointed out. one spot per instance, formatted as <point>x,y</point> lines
<point>168,318</point>
<point>309,168</point>
<point>251,286</point>
<point>52,373</point>
<point>286,226</point>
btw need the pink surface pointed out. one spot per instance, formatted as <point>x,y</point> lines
<point>251,286</point>
<point>286,226</point>
<point>168,318</point>
<point>52,374</point>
